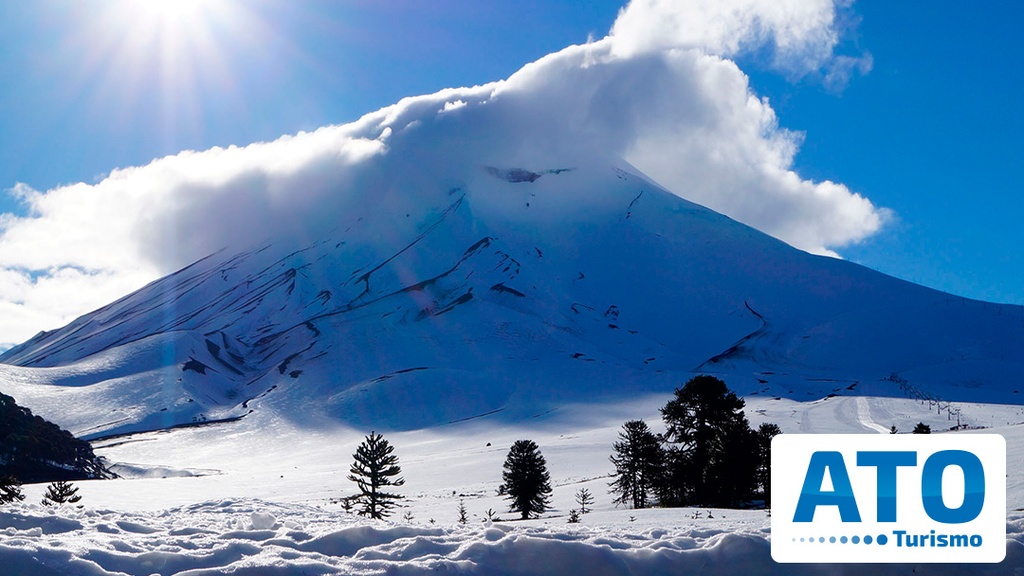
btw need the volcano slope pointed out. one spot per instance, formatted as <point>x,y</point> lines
<point>505,291</point>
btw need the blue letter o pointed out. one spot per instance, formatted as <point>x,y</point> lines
<point>974,486</point>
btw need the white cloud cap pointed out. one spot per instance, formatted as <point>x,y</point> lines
<point>801,32</point>
<point>660,92</point>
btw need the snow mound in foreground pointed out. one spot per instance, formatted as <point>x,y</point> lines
<point>253,537</point>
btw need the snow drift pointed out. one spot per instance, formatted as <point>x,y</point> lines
<point>259,538</point>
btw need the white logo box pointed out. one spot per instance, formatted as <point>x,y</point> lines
<point>958,526</point>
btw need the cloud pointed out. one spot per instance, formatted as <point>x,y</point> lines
<point>801,33</point>
<point>660,91</point>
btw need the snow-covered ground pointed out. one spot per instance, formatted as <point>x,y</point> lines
<point>260,496</point>
<point>457,309</point>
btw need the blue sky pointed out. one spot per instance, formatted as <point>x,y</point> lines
<point>931,132</point>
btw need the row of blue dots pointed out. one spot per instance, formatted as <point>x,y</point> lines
<point>882,539</point>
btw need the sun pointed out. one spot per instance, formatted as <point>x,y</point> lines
<point>179,39</point>
<point>178,14</point>
<point>176,9</point>
<point>163,59</point>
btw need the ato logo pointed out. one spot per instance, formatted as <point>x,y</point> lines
<point>884,498</point>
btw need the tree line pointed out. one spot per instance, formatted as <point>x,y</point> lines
<point>57,493</point>
<point>375,468</point>
<point>707,456</point>
<point>35,450</point>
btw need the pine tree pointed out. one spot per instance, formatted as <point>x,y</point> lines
<point>714,460</point>
<point>639,462</point>
<point>527,483</point>
<point>463,513</point>
<point>376,467</point>
<point>61,492</point>
<point>10,490</point>
<point>584,498</point>
<point>732,476</point>
<point>765,432</point>
<point>922,428</point>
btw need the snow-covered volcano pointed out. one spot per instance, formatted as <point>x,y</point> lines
<point>504,291</point>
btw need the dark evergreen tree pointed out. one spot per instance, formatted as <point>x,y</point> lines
<point>893,429</point>
<point>731,478</point>
<point>765,432</point>
<point>674,486</point>
<point>585,499</point>
<point>10,490</point>
<point>35,450</point>
<point>61,492</point>
<point>639,464</point>
<point>376,467</point>
<point>922,428</point>
<point>526,481</point>
<point>713,460</point>
<point>463,513</point>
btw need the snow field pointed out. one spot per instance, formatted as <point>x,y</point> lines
<point>260,496</point>
<point>257,537</point>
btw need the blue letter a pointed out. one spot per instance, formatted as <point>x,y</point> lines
<point>811,495</point>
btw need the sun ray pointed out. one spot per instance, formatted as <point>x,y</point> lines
<point>162,59</point>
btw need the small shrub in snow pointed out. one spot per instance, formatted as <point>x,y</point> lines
<point>463,513</point>
<point>574,516</point>
<point>584,498</point>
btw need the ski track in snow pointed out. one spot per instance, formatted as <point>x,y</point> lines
<point>864,416</point>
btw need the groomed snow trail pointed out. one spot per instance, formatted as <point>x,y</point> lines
<point>864,416</point>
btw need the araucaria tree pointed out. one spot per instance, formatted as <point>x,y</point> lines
<point>10,490</point>
<point>713,453</point>
<point>61,492</point>
<point>585,499</point>
<point>765,432</point>
<point>639,464</point>
<point>376,467</point>
<point>526,481</point>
